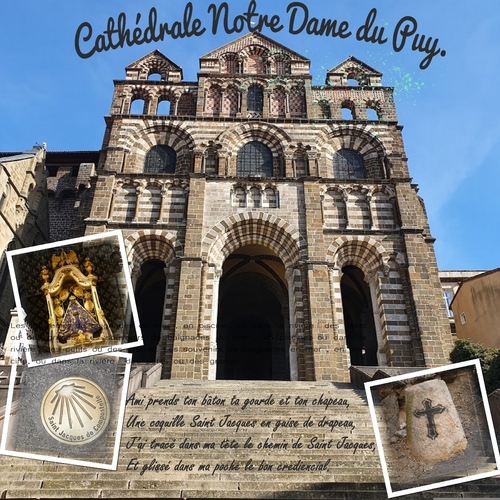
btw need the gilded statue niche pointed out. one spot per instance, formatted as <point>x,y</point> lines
<point>76,318</point>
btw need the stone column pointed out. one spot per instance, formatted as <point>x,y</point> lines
<point>135,274</point>
<point>290,274</point>
<point>371,224</point>
<point>343,358</point>
<point>162,342</point>
<point>212,369</point>
<point>163,193</point>
<point>186,323</point>
<point>313,164</point>
<point>371,280</point>
<point>244,109</point>
<point>138,192</point>
<point>289,166</point>
<point>329,360</point>
<point>265,107</point>
<point>114,192</point>
<point>198,156</point>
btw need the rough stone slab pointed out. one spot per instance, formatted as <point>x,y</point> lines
<point>433,426</point>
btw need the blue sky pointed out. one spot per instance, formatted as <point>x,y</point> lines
<point>449,110</point>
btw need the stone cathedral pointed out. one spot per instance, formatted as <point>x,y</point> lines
<point>272,227</point>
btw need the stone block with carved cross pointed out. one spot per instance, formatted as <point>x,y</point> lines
<point>434,429</point>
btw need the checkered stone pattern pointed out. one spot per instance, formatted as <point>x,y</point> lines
<point>255,63</point>
<point>230,103</point>
<point>214,101</point>
<point>278,103</point>
<point>186,106</point>
<point>297,100</point>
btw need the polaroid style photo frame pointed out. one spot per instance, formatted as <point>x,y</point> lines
<point>74,298</point>
<point>433,428</point>
<point>69,412</point>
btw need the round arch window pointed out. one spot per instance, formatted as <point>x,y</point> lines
<point>255,158</point>
<point>348,164</point>
<point>160,159</point>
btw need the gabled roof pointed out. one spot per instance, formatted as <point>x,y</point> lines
<point>352,61</point>
<point>156,55</point>
<point>255,38</point>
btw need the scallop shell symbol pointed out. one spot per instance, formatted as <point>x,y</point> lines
<point>75,411</point>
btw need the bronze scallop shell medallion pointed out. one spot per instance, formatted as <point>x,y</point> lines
<point>75,411</point>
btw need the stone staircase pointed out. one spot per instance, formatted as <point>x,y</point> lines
<point>174,446</point>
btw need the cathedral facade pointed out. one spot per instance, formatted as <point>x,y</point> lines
<point>272,228</point>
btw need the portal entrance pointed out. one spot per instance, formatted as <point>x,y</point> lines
<point>149,297</point>
<point>252,324</point>
<point>361,335</point>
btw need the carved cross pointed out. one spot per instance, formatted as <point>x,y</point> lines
<point>429,411</point>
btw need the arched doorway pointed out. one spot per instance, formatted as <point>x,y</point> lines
<point>253,319</point>
<point>361,335</point>
<point>149,297</point>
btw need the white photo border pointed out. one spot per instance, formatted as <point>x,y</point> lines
<point>475,363</point>
<point>74,241</point>
<point>70,461</point>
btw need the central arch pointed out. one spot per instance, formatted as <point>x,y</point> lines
<point>252,328</point>
<point>279,249</point>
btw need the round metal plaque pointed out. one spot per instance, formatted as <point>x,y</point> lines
<point>75,411</point>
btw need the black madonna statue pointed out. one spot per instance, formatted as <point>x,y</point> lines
<point>75,314</point>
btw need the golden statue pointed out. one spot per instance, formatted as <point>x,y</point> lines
<point>75,314</point>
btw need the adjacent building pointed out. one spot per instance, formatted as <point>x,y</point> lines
<point>475,308</point>
<point>24,217</point>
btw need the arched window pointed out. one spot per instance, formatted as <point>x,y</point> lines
<point>160,160</point>
<point>164,107</point>
<point>255,98</point>
<point>348,110</point>
<point>138,107</point>
<point>282,66</point>
<point>348,164</point>
<point>255,158</point>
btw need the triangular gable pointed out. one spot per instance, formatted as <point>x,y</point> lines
<point>154,62</point>
<point>352,67</point>
<point>254,39</point>
<point>354,62</point>
<point>156,56</point>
